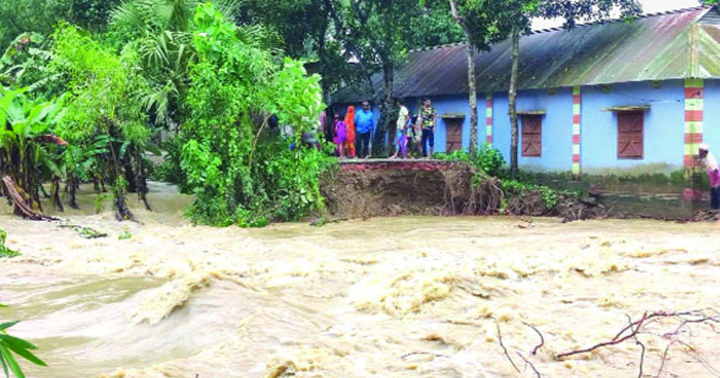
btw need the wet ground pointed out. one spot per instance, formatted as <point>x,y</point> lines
<point>386,297</point>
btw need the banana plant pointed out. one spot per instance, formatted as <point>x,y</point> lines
<point>83,164</point>
<point>11,346</point>
<point>25,140</point>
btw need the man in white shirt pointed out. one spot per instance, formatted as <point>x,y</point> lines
<point>402,126</point>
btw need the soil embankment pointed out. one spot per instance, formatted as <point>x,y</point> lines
<point>371,188</point>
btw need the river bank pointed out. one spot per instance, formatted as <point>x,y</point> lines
<point>386,297</point>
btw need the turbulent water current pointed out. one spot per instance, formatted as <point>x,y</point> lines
<point>387,297</point>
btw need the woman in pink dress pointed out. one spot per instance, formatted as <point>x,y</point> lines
<point>340,135</point>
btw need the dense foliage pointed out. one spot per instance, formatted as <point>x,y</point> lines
<point>104,113</point>
<point>88,86</point>
<point>86,107</point>
<point>239,171</point>
<point>29,154</point>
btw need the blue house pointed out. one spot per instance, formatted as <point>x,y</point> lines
<point>601,98</point>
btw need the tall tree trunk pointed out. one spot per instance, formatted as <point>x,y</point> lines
<point>512,96</point>
<point>386,109</point>
<point>122,211</point>
<point>71,187</point>
<point>472,88</point>
<point>56,194</point>
<point>142,179</point>
<point>131,183</point>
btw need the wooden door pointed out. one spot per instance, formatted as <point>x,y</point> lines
<point>453,130</point>
<point>531,136</point>
<point>631,127</point>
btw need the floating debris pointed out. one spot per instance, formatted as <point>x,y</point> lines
<point>85,232</point>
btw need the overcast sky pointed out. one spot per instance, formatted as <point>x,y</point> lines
<point>649,6</point>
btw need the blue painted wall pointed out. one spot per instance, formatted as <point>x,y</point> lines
<point>664,125</point>
<point>556,128</point>
<point>452,104</point>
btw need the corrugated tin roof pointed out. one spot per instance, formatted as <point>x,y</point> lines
<point>672,45</point>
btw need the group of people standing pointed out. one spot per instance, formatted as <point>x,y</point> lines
<point>416,132</point>
<point>352,132</point>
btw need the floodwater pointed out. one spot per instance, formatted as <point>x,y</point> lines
<point>390,297</point>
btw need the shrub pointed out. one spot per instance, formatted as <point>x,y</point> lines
<point>488,159</point>
<point>513,188</point>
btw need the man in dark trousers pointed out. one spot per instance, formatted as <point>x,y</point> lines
<point>429,122</point>
<point>364,126</point>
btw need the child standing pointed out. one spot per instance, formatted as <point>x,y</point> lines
<point>340,135</point>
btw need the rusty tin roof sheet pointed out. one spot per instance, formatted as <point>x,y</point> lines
<point>672,45</point>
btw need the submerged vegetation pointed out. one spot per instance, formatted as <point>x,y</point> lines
<point>5,251</point>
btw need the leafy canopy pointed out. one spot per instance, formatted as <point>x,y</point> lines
<point>237,172</point>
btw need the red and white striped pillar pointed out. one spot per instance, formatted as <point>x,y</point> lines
<point>694,94</point>
<point>577,109</point>
<point>489,118</point>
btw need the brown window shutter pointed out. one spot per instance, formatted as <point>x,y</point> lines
<point>631,129</point>
<point>531,136</point>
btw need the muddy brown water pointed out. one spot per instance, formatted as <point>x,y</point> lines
<point>386,297</point>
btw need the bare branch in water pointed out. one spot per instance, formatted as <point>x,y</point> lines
<point>528,363</point>
<point>505,349</point>
<point>423,353</point>
<point>542,339</point>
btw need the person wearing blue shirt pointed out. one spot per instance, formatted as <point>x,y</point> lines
<point>364,125</point>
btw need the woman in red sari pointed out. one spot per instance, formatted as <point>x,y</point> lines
<point>350,126</point>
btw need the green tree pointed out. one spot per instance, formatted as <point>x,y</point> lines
<point>160,31</point>
<point>306,30</point>
<point>42,16</point>
<point>480,25</point>
<point>379,34</point>
<point>515,19</point>
<point>241,172</point>
<point>91,14</point>
<point>105,99</point>
<point>22,16</point>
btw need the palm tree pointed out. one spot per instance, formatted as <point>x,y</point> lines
<point>161,33</point>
